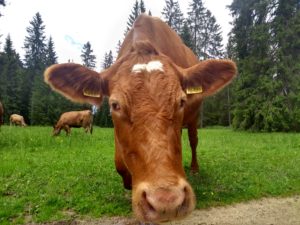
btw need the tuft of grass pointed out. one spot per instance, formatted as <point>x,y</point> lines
<point>45,178</point>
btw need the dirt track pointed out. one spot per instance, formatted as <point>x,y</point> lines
<point>269,211</point>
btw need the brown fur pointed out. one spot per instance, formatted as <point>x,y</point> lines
<point>74,119</point>
<point>16,119</point>
<point>148,111</point>
<point>1,114</point>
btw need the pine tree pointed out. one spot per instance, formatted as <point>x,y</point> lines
<point>51,57</point>
<point>196,21</point>
<point>35,59</point>
<point>206,33</point>
<point>215,46</point>
<point>186,36</point>
<point>135,12</point>
<point>87,56</point>
<point>35,44</point>
<point>142,7</point>
<point>10,79</point>
<point>173,15</point>
<point>108,60</point>
<point>118,48</point>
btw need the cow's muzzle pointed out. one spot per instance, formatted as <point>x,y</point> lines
<point>163,203</point>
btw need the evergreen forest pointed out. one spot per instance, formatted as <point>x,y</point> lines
<point>264,42</point>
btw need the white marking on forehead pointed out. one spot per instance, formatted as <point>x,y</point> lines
<point>149,67</point>
<point>137,68</point>
<point>154,65</point>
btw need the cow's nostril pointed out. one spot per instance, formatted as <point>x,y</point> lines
<point>144,195</point>
<point>184,205</point>
<point>185,190</point>
<point>147,203</point>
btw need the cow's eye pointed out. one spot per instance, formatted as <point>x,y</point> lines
<point>182,102</point>
<point>115,106</point>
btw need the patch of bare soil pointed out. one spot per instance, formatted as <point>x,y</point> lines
<point>268,211</point>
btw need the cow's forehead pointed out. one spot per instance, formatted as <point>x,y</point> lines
<point>156,77</point>
<point>151,82</point>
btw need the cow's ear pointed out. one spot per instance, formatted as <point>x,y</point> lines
<point>76,82</point>
<point>209,76</point>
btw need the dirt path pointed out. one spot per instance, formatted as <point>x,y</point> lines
<point>268,211</point>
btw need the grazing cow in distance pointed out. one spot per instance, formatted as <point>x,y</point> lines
<point>16,119</point>
<point>1,114</point>
<point>74,119</point>
<point>155,87</point>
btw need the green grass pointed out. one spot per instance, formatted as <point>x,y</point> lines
<point>44,178</point>
<point>239,166</point>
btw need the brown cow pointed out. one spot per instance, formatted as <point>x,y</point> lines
<point>1,114</point>
<point>74,119</point>
<point>16,119</point>
<point>155,87</point>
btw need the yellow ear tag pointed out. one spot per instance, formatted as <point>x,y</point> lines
<point>91,94</point>
<point>194,90</point>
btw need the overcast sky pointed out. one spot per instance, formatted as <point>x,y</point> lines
<point>72,23</point>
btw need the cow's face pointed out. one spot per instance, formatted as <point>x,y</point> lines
<point>147,104</point>
<point>147,95</point>
<point>56,130</point>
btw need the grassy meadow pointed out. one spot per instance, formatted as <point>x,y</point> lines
<point>43,178</point>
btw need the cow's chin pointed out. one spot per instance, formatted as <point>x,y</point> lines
<point>163,203</point>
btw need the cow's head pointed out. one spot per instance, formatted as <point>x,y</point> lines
<point>56,130</point>
<point>147,96</point>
